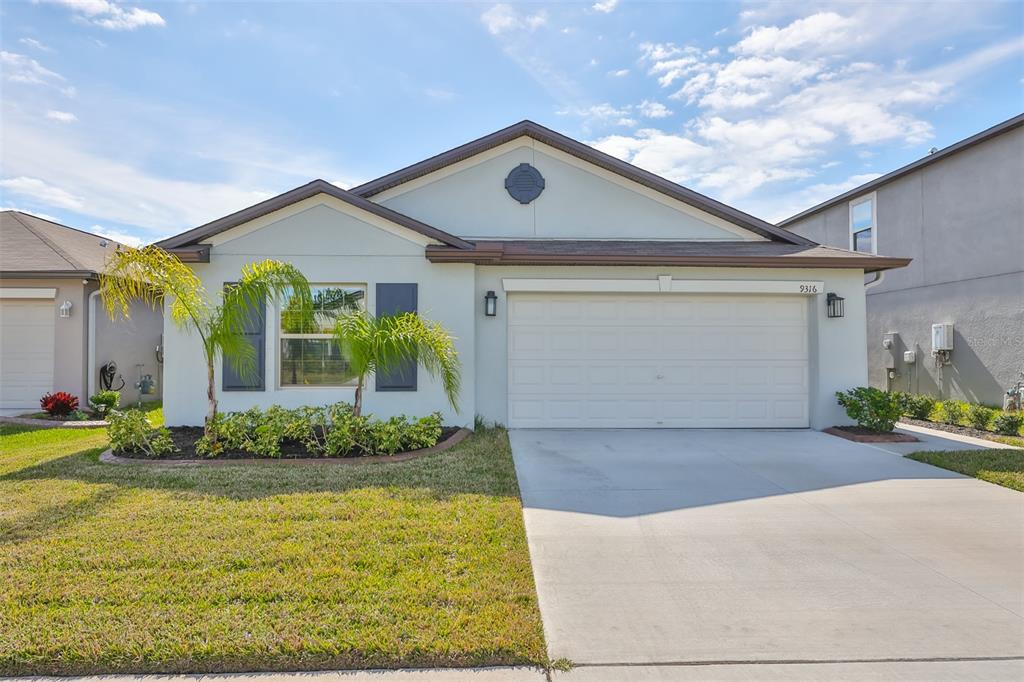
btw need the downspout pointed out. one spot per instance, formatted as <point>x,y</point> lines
<point>879,276</point>
<point>91,344</point>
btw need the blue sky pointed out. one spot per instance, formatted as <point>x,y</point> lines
<point>143,119</point>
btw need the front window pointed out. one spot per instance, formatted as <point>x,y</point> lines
<point>309,355</point>
<point>862,225</point>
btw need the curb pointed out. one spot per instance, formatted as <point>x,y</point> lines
<point>108,457</point>
<point>50,424</point>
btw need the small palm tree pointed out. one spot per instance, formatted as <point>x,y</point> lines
<point>378,344</point>
<point>151,275</point>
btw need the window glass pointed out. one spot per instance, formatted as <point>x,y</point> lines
<point>309,355</point>
<point>862,217</point>
<point>864,241</point>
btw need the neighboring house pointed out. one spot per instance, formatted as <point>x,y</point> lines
<point>959,213</point>
<point>583,292</point>
<point>54,333</point>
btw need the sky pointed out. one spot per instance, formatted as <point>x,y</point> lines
<point>139,120</point>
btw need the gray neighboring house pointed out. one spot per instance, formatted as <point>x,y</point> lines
<point>959,213</point>
<point>54,333</point>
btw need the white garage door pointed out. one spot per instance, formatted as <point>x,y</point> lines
<point>26,352</point>
<point>657,360</point>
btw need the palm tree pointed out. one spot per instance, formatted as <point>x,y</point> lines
<point>377,344</point>
<point>152,275</point>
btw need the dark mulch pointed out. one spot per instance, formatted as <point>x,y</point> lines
<point>863,435</point>
<point>952,428</point>
<point>185,438</point>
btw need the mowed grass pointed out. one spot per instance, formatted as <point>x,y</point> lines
<point>107,568</point>
<point>1002,467</point>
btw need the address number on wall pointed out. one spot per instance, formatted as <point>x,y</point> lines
<point>808,288</point>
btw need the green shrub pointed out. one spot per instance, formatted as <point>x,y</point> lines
<point>916,405</point>
<point>105,402</point>
<point>130,431</point>
<point>423,432</point>
<point>871,408</point>
<point>77,416</point>
<point>980,416</point>
<point>333,431</point>
<point>1009,423</point>
<point>952,411</point>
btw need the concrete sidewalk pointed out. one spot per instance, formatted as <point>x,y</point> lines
<point>511,674</point>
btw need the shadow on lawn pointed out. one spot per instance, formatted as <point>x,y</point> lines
<point>481,465</point>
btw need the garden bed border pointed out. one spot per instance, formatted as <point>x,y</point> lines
<point>108,457</point>
<point>54,423</point>
<point>891,437</point>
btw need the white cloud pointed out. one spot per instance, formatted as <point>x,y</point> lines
<point>620,73</point>
<point>34,188</point>
<point>650,109</point>
<point>502,18</point>
<point>605,6</point>
<point>439,94</point>
<point>117,236</point>
<point>18,68</point>
<point>62,116</point>
<point>600,114</point>
<point>824,30</point>
<point>34,44</point>
<point>110,15</point>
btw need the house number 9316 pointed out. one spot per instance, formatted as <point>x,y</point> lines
<point>808,288</point>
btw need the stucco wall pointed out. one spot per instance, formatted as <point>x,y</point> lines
<point>329,245</point>
<point>837,358</point>
<point>579,201</point>
<point>962,221</point>
<point>128,342</point>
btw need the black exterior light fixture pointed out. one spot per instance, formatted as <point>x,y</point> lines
<point>834,305</point>
<point>491,304</point>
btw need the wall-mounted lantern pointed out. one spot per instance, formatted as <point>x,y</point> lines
<point>491,304</point>
<point>65,309</point>
<point>834,305</point>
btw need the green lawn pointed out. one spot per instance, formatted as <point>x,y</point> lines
<point>1002,467</point>
<point>107,568</point>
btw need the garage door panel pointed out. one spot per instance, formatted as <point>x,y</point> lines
<point>651,360</point>
<point>26,352</point>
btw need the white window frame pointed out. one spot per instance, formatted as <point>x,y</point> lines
<point>281,336</point>
<point>874,221</point>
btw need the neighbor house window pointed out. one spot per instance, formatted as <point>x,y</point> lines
<point>309,355</point>
<point>862,225</point>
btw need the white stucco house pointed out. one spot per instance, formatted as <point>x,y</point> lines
<point>620,299</point>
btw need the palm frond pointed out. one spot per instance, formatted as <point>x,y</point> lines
<point>151,275</point>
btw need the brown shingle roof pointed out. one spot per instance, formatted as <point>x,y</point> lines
<point>695,254</point>
<point>30,244</point>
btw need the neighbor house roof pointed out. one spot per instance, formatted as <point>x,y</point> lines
<point>935,157</point>
<point>34,246</point>
<point>694,254</point>
<point>187,243</point>
<point>589,154</point>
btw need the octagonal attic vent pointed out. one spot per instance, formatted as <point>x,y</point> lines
<point>524,183</point>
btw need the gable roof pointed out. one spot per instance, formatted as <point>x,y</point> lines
<point>987,134</point>
<point>590,155</point>
<point>187,243</point>
<point>30,245</point>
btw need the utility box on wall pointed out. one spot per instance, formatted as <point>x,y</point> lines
<point>942,337</point>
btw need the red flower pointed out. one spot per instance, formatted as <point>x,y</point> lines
<point>59,404</point>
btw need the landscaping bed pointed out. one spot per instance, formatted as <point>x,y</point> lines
<point>861,434</point>
<point>186,437</point>
<point>130,569</point>
<point>960,430</point>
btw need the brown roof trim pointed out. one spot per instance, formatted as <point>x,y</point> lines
<point>586,153</point>
<point>501,254</point>
<point>296,195</point>
<point>998,129</point>
<point>48,274</point>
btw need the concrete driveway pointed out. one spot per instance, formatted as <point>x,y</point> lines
<point>683,547</point>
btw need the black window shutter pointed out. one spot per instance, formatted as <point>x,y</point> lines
<point>256,334</point>
<point>393,299</point>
